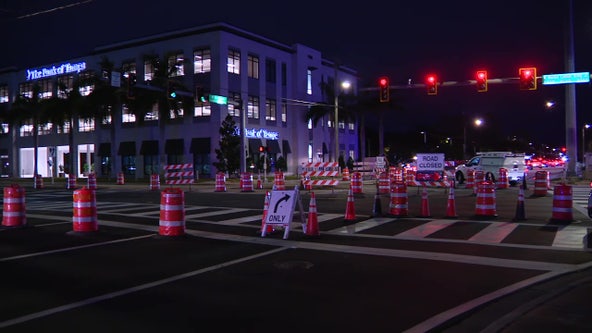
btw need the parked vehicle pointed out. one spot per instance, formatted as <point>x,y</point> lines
<point>490,163</point>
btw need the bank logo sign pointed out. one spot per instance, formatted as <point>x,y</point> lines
<point>67,68</point>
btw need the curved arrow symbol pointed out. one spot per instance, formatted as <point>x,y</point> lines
<point>285,198</point>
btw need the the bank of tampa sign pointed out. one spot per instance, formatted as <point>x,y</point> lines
<point>67,68</point>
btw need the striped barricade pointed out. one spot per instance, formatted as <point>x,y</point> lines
<point>178,174</point>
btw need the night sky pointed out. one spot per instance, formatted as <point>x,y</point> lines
<point>404,40</point>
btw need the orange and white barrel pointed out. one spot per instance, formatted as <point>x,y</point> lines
<point>479,177</point>
<point>279,181</point>
<point>13,211</point>
<point>38,182</point>
<point>410,177</point>
<point>85,210</point>
<point>502,180</point>
<point>154,182</point>
<point>345,174</point>
<point>92,181</point>
<point>71,181</point>
<point>246,182</point>
<point>398,205</point>
<point>540,183</point>
<point>172,212</point>
<point>383,183</point>
<point>470,182</point>
<point>120,179</point>
<point>356,183</point>
<point>307,183</point>
<point>562,203</point>
<point>220,182</point>
<point>485,203</point>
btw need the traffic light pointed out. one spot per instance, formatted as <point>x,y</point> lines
<point>528,79</point>
<point>200,95</point>
<point>171,90</point>
<point>131,86</point>
<point>383,85</point>
<point>481,81</point>
<point>261,149</point>
<point>432,84</point>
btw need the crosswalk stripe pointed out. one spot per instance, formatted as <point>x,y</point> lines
<point>360,226</point>
<point>426,229</point>
<point>494,233</point>
<point>570,236</point>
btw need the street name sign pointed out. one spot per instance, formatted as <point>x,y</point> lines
<point>565,78</point>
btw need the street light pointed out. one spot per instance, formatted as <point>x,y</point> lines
<point>424,137</point>
<point>476,122</point>
<point>584,128</point>
<point>344,85</point>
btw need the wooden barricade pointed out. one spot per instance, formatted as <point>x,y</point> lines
<point>179,174</point>
<point>323,170</point>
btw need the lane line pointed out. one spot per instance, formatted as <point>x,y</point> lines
<point>134,289</point>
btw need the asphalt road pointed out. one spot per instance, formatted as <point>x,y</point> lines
<point>371,274</point>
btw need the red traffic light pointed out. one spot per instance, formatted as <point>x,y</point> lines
<point>384,89</point>
<point>481,81</point>
<point>261,149</point>
<point>432,84</point>
<point>527,77</point>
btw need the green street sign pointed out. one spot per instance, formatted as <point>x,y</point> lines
<point>581,77</point>
<point>217,99</point>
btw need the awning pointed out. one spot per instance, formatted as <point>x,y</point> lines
<point>149,147</point>
<point>105,149</point>
<point>127,148</point>
<point>286,147</point>
<point>174,146</point>
<point>200,146</point>
<point>273,146</point>
<point>254,145</point>
<point>325,150</point>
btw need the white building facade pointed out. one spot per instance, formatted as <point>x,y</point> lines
<point>275,83</point>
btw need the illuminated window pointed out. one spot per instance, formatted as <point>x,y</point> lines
<point>64,129</point>
<point>202,61</point>
<point>253,107</point>
<point>45,88</point>
<point>4,94</point>
<point>270,110</point>
<point>233,62</point>
<point>284,113</point>
<point>253,66</point>
<point>126,115</point>
<point>65,85</point>
<point>179,113</point>
<point>232,110</point>
<point>152,115</point>
<point>44,129</point>
<point>176,64</point>
<point>149,68</point>
<point>107,118</point>
<point>27,128</point>
<point>86,85</point>
<point>128,67</point>
<point>26,90</point>
<point>309,82</point>
<point>202,110</point>
<point>86,125</point>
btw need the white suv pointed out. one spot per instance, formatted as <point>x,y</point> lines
<point>490,163</point>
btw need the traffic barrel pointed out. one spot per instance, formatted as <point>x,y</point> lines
<point>345,174</point>
<point>71,184</point>
<point>246,182</point>
<point>154,182</point>
<point>84,217</point>
<point>220,182</point>
<point>356,183</point>
<point>540,183</point>
<point>13,211</point>
<point>120,178</point>
<point>398,205</point>
<point>259,183</point>
<point>279,181</point>
<point>479,177</point>
<point>470,183</point>
<point>485,203</point>
<point>562,204</point>
<point>38,182</point>
<point>92,181</point>
<point>502,180</point>
<point>383,183</point>
<point>172,212</point>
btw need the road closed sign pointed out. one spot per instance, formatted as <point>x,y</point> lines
<point>430,162</point>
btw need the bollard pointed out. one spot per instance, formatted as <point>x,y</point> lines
<point>85,210</point>
<point>13,212</point>
<point>172,212</point>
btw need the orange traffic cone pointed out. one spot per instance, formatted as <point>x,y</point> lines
<point>312,223</point>
<point>425,205</point>
<point>350,210</point>
<point>520,214</point>
<point>451,206</point>
<point>265,209</point>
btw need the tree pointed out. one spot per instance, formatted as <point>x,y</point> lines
<point>228,153</point>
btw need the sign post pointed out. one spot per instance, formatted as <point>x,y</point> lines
<point>281,209</point>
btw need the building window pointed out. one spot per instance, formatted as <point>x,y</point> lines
<point>202,110</point>
<point>108,117</point>
<point>270,110</point>
<point>351,125</point>
<point>26,90</point>
<point>270,71</point>
<point>27,128</point>
<point>65,128</point>
<point>176,64</point>
<point>44,129</point>
<point>284,114</point>
<point>309,81</point>
<point>45,88</point>
<point>178,113</point>
<point>127,115</point>
<point>233,110</point>
<point>150,165</point>
<point>233,62</point>
<point>284,74</point>
<point>253,66</point>
<point>152,115</point>
<point>149,69</point>
<point>86,86</point>
<point>202,61</point>
<point>128,67</point>
<point>4,93</point>
<point>86,125</point>
<point>65,85</point>
<point>253,107</point>
<point>128,163</point>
